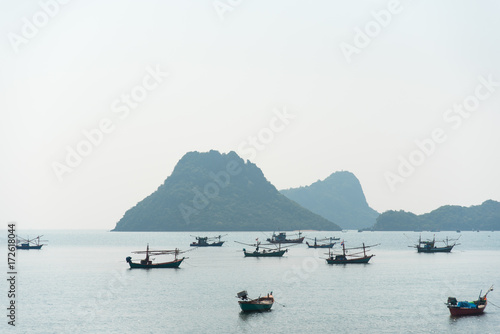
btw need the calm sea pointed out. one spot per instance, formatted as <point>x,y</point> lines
<point>80,283</point>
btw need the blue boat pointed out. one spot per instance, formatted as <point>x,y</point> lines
<point>34,243</point>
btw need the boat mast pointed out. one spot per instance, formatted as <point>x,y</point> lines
<point>490,289</point>
<point>364,249</point>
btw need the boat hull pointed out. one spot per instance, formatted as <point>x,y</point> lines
<point>172,264</point>
<point>29,247</point>
<point>267,254</point>
<point>257,305</point>
<point>446,249</point>
<point>463,311</point>
<point>346,261</point>
<point>286,241</point>
<point>320,246</point>
<point>215,244</point>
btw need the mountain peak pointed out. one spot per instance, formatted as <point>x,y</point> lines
<point>213,191</point>
<point>338,198</point>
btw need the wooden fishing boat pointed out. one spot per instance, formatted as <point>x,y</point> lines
<point>429,246</point>
<point>276,251</point>
<point>461,308</point>
<point>208,242</point>
<point>280,238</point>
<point>34,243</point>
<point>148,264</point>
<point>255,305</point>
<point>330,244</point>
<point>345,258</point>
<point>264,253</point>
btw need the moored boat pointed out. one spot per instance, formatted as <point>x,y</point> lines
<point>462,308</point>
<point>281,238</point>
<point>255,305</point>
<point>330,244</point>
<point>265,252</point>
<point>34,243</point>
<point>148,264</point>
<point>208,242</point>
<point>429,246</point>
<point>345,258</point>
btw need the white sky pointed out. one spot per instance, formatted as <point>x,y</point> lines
<point>226,76</point>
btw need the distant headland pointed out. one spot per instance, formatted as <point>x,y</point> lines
<point>218,192</point>
<point>213,191</point>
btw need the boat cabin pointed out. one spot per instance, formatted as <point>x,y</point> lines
<point>280,237</point>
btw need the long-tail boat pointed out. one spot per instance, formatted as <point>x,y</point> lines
<point>266,251</point>
<point>429,246</point>
<point>280,238</point>
<point>34,243</point>
<point>255,305</point>
<point>147,263</point>
<point>461,308</point>
<point>208,242</point>
<point>330,243</point>
<point>344,257</point>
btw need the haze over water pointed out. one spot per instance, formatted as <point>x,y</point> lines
<point>80,283</point>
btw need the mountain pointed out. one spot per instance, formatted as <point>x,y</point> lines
<point>218,192</point>
<point>338,198</point>
<point>447,218</point>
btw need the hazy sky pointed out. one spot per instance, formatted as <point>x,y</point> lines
<point>356,85</point>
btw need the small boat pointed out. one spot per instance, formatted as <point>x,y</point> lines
<point>266,252</point>
<point>461,308</point>
<point>345,258</point>
<point>208,242</point>
<point>280,238</point>
<point>148,264</point>
<point>429,246</point>
<point>34,243</point>
<point>330,244</point>
<point>255,305</point>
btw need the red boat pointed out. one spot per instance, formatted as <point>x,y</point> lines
<point>462,308</point>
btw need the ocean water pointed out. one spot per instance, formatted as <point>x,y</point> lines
<point>80,283</point>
